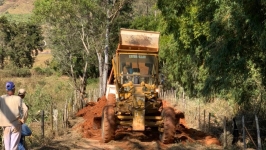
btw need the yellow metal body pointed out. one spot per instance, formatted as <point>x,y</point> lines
<point>135,76</point>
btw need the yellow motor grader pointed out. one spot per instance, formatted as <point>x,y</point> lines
<point>132,90</point>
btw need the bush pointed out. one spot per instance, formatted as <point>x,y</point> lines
<point>16,72</point>
<point>92,80</point>
<point>92,83</point>
<point>43,71</point>
<point>38,71</point>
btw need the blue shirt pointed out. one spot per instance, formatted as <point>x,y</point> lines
<point>25,131</point>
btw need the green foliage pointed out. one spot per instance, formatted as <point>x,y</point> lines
<point>93,82</point>
<point>71,22</point>
<point>37,102</point>
<point>13,71</point>
<point>17,17</point>
<point>18,42</point>
<point>43,71</point>
<point>216,47</point>
<point>66,20</point>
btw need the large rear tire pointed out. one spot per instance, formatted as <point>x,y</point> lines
<point>108,125</point>
<point>169,124</point>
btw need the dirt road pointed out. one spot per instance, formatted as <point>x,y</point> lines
<point>125,140</point>
<point>85,134</point>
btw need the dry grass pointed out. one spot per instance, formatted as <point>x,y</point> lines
<point>193,146</point>
<point>48,84</point>
<point>194,111</point>
<point>194,116</point>
<point>42,58</point>
<point>17,6</point>
<point>218,109</point>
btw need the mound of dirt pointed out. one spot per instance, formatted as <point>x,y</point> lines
<point>186,134</point>
<point>91,111</point>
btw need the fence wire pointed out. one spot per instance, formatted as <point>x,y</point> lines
<point>209,117</point>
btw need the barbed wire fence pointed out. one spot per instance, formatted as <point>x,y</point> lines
<point>55,119</point>
<point>199,115</point>
<point>216,118</point>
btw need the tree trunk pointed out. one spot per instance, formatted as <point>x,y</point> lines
<point>84,83</point>
<point>106,50</point>
<point>2,61</point>
<point>109,19</point>
<point>100,61</point>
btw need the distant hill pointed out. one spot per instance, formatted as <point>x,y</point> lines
<point>17,7</point>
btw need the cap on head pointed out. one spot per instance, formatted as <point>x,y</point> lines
<point>10,86</point>
<point>21,92</point>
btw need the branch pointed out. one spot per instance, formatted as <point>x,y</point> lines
<point>96,46</point>
<point>82,37</point>
<point>71,85</point>
<point>111,17</point>
<point>72,73</point>
<point>84,72</point>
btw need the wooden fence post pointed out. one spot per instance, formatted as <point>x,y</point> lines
<point>250,137</point>
<point>196,113</point>
<point>258,132</point>
<point>52,120</point>
<point>175,98</point>
<point>209,124</point>
<point>199,118</point>
<point>94,95</point>
<point>167,95</point>
<point>42,123</point>
<point>225,134</point>
<point>204,121</point>
<point>55,118</point>
<point>186,103</point>
<point>65,116</point>
<point>74,110</point>
<point>76,99</point>
<point>244,136</point>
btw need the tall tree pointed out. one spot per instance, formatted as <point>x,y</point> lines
<point>218,46</point>
<point>80,33</point>
<point>112,10</point>
<point>3,40</point>
<point>19,42</point>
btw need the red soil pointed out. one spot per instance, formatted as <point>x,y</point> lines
<point>186,134</point>
<point>92,110</point>
<point>90,127</point>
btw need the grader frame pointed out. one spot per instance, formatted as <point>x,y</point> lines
<point>132,90</point>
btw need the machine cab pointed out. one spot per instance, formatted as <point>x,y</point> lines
<point>138,67</point>
<point>137,55</point>
<point>136,60</point>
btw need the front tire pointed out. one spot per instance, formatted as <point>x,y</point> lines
<point>169,124</point>
<point>108,125</point>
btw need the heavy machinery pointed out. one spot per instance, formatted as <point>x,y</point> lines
<point>132,90</point>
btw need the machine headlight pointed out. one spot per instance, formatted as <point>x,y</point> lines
<point>157,90</point>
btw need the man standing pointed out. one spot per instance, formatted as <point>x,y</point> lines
<point>24,113</point>
<point>25,130</point>
<point>11,118</point>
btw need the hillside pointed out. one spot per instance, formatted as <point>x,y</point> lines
<point>17,6</point>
